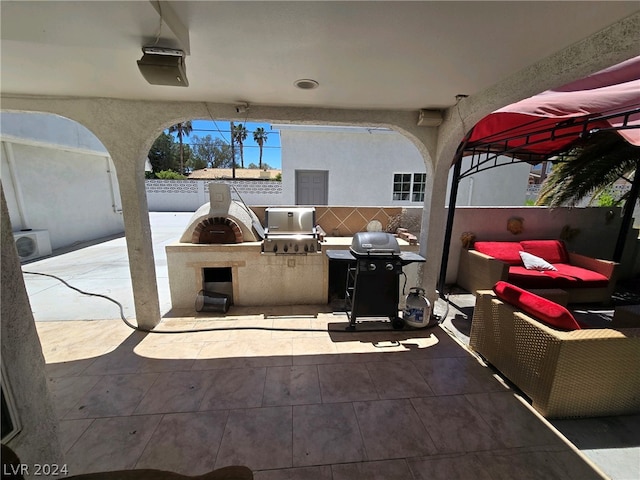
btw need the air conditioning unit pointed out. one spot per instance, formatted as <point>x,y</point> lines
<point>32,244</point>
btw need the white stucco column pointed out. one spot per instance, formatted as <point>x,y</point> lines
<point>139,245</point>
<point>23,361</point>
<point>127,130</point>
<point>434,215</point>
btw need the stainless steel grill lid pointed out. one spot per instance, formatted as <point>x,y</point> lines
<point>374,244</point>
<point>290,220</point>
<point>290,231</point>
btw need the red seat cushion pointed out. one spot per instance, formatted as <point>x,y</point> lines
<point>553,251</point>
<point>566,276</point>
<point>582,277</point>
<point>508,252</point>
<point>546,311</point>
<point>524,278</point>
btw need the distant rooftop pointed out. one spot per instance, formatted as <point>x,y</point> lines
<point>241,173</point>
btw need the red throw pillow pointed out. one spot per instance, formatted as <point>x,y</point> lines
<point>546,311</point>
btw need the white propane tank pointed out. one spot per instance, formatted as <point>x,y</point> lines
<point>417,310</point>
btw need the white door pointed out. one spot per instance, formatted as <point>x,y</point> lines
<point>312,187</point>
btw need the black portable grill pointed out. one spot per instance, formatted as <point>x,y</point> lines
<point>372,285</point>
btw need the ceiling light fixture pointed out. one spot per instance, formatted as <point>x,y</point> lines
<point>306,84</point>
<point>163,66</point>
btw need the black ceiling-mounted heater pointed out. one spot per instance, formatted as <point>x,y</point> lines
<point>163,66</point>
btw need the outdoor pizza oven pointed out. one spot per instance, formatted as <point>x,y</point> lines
<point>221,259</point>
<point>222,220</point>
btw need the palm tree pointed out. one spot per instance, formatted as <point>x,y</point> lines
<point>239,134</point>
<point>588,169</point>
<point>260,137</point>
<point>182,129</point>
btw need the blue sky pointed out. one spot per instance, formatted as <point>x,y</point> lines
<point>271,152</point>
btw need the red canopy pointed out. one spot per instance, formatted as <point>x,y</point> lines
<point>551,121</point>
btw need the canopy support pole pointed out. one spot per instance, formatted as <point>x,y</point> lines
<point>449,228</point>
<point>627,216</point>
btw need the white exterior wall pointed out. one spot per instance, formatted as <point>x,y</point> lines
<point>58,177</point>
<point>360,162</point>
<point>505,185</point>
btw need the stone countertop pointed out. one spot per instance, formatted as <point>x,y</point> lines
<point>329,242</point>
<point>338,243</point>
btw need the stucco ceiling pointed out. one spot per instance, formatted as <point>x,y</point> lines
<point>395,55</point>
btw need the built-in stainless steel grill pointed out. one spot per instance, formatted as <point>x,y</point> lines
<point>290,231</point>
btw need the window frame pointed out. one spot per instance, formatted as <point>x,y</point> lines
<point>409,187</point>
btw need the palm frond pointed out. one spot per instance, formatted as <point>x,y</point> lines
<point>594,164</point>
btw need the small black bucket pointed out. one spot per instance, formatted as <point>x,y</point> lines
<point>212,302</point>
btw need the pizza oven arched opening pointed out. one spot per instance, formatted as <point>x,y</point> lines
<point>217,230</point>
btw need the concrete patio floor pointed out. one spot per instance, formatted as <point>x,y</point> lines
<point>290,393</point>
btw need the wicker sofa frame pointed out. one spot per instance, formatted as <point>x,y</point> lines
<point>478,271</point>
<point>582,373</point>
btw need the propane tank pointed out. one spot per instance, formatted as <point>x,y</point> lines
<point>417,310</point>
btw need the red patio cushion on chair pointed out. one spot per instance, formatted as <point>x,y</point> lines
<point>546,311</point>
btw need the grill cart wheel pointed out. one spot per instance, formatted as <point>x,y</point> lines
<point>397,323</point>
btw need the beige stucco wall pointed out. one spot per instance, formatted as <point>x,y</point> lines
<point>257,279</point>
<point>23,362</point>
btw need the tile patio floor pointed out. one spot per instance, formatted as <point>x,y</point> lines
<point>315,404</point>
<point>325,404</point>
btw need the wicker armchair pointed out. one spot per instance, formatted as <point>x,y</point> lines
<point>582,373</point>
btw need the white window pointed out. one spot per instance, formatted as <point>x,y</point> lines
<point>409,186</point>
<point>419,183</point>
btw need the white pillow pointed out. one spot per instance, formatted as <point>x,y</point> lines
<point>531,262</point>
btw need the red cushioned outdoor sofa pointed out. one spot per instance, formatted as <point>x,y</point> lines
<point>547,264</point>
